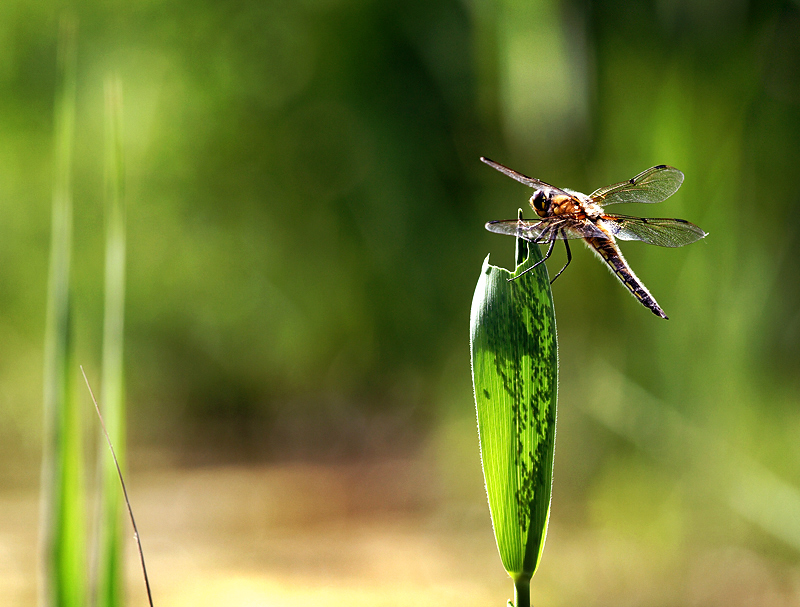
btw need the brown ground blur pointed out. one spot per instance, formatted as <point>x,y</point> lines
<point>376,534</point>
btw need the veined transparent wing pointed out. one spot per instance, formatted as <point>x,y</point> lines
<point>547,229</point>
<point>536,184</point>
<point>653,185</point>
<point>657,231</point>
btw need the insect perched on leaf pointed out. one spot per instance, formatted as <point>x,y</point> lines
<point>566,214</point>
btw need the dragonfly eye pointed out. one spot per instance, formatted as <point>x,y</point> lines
<point>539,202</point>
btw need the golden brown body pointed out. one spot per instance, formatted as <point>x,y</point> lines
<point>569,215</point>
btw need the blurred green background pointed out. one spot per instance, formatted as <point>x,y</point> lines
<point>305,230</point>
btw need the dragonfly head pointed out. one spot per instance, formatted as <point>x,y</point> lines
<point>540,203</point>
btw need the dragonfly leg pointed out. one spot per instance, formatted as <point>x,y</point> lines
<point>542,260</point>
<point>569,258</point>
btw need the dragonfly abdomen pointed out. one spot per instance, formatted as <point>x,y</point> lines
<point>608,251</point>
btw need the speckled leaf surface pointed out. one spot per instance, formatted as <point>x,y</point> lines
<point>515,375</point>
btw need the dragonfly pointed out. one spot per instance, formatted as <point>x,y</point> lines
<point>566,215</point>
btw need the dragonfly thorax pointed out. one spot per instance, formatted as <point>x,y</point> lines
<point>580,203</point>
<point>556,204</point>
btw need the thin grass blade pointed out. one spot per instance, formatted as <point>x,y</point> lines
<point>63,577</point>
<point>109,589</point>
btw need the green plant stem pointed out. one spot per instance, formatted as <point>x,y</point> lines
<point>522,592</point>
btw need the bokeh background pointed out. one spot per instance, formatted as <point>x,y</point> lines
<point>305,231</point>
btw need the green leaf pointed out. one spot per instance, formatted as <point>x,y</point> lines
<point>109,590</point>
<point>515,375</point>
<point>63,513</point>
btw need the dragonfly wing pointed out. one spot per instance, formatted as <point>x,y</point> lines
<point>532,231</point>
<point>536,184</point>
<point>657,231</point>
<point>547,229</point>
<point>653,185</point>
